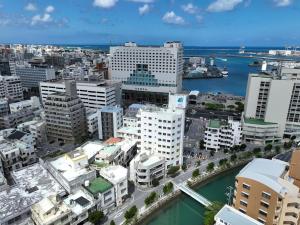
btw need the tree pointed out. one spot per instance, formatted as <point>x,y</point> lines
<point>198,163</point>
<point>287,145</point>
<point>130,213</point>
<point>233,157</point>
<point>173,170</point>
<point>256,151</point>
<point>202,144</point>
<point>212,153</point>
<point>277,149</point>
<point>150,199</point>
<point>293,137</point>
<point>222,162</point>
<point>225,150</point>
<point>196,173</point>
<point>96,217</point>
<point>210,213</point>
<point>239,106</point>
<point>183,167</point>
<point>112,223</point>
<point>243,147</point>
<point>155,182</point>
<point>168,188</point>
<point>210,167</point>
<point>231,107</point>
<point>268,147</point>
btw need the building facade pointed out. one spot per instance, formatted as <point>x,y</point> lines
<point>265,101</point>
<point>93,94</point>
<point>65,115</point>
<point>147,73</point>
<point>11,88</point>
<point>265,192</point>
<point>110,119</point>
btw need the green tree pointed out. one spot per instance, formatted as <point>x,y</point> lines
<point>196,173</point>
<point>210,213</point>
<point>239,106</point>
<point>243,147</point>
<point>150,199</point>
<point>173,170</point>
<point>210,167</point>
<point>202,144</point>
<point>112,223</point>
<point>96,217</point>
<point>183,167</point>
<point>233,157</point>
<point>277,149</point>
<point>131,213</point>
<point>268,147</point>
<point>168,188</point>
<point>287,145</point>
<point>225,150</point>
<point>212,153</point>
<point>198,163</point>
<point>256,151</point>
<point>222,162</point>
<point>231,107</point>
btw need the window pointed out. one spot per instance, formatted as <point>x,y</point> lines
<point>266,195</point>
<point>263,213</point>
<point>244,194</point>
<point>243,203</point>
<point>246,186</point>
<point>264,204</point>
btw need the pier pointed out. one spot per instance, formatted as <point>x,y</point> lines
<point>196,196</point>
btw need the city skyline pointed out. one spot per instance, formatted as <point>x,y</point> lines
<point>208,23</point>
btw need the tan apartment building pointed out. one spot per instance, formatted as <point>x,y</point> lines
<point>295,167</point>
<point>265,191</point>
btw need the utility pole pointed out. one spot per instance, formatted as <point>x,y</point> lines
<point>228,193</point>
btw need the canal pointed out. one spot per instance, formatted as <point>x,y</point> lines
<point>185,210</point>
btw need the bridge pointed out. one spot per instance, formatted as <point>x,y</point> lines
<point>199,198</point>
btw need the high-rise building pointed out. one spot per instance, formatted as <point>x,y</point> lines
<point>265,191</point>
<point>110,119</point>
<point>162,130</point>
<point>11,88</point>
<point>93,94</point>
<point>148,74</point>
<point>7,68</point>
<point>32,76</point>
<point>65,115</point>
<point>271,106</point>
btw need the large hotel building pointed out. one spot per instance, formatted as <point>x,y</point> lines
<point>272,106</point>
<point>148,74</point>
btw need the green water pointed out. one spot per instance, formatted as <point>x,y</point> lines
<point>185,210</point>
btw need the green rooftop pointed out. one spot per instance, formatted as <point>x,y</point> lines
<point>99,185</point>
<point>257,121</point>
<point>214,124</point>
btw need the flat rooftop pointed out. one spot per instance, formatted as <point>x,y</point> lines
<point>115,173</point>
<point>258,121</point>
<point>265,171</point>
<point>91,148</point>
<point>99,185</point>
<point>79,202</point>
<point>214,124</point>
<point>234,217</point>
<point>33,183</point>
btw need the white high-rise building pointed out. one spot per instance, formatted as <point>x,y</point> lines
<point>93,94</point>
<point>162,130</point>
<point>144,70</point>
<point>272,106</point>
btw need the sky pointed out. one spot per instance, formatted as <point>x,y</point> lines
<point>194,22</point>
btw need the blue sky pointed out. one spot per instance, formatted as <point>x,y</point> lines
<point>194,22</point>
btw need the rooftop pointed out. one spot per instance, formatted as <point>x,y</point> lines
<point>265,171</point>
<point>234,217</point>
<point>91,148</point>
<point>99,185</point>
<point>79,201</point>
<point>114,174</point>
<point>258,121</point>
<point>33,183</point>
<point>16,135</point>
<point>214,124</point>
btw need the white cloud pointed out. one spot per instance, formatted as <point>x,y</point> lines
<point>105,3</point>
<point>199,18</point>
<point>40,19</point>
<point>283,3</point>
<point>223,5</point>
<point>172,18</point>
<point>190,8</point>
<point>144,9</point>
<point>49,9</point>
<point>30,7</point>
<point>142,1</point>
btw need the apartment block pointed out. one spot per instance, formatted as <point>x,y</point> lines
<point>273,113</point>
<point>33,104</point>
<point>148,74</point>
<point>32,76</point>
<point>11,88</point>
<point>93,94</point>
<point>65,115</point>
<point>221,134</point>
<point>110,119</point>
<point>265,191</point>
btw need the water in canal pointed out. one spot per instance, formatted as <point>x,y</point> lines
<point>184,210</point>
